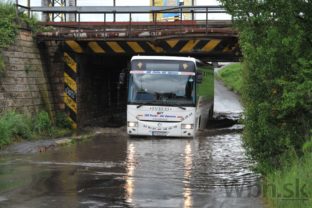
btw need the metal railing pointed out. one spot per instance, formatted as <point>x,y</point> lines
<point>184,22</point>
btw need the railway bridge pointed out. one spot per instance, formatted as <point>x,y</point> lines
<point>84,56</point>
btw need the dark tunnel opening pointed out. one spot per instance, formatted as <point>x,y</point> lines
<point>101,99</point>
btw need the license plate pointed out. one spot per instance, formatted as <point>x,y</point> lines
<point>159,133</point>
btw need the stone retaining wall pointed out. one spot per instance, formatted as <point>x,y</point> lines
<point>52,58</point>
<point>24,84</point>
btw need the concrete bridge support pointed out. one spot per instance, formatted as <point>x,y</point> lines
<point>85,86</point>
<point>91,91</point>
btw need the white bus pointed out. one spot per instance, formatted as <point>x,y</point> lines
<point>162,96</point>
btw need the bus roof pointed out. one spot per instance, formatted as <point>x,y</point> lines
<point>170,58</point>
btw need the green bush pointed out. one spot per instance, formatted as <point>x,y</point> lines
<point>2,66</point>
<point>8,25</point>
<point>12,125</point>
<point>62,120</point>
<point>42,123</point>
<point>32,22</point>
<point>307,147</point>
<point>5,133</point>
<point>15,125</point>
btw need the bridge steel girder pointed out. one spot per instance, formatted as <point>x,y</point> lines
<point>216,49</point>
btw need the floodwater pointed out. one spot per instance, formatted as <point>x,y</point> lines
<point>114,171</point>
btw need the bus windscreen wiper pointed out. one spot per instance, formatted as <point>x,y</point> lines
<point>181,107</point>
<point>150,103</point>
<point>178,106</point>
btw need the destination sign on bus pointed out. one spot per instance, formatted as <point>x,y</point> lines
<point>164,65</point>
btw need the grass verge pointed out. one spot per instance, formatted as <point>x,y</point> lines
<point>206,88</point>
<point>15,126</point>
<point>231,76</point>
<point>291,186</point>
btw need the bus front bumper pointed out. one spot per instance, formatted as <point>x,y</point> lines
<point>161,129</point>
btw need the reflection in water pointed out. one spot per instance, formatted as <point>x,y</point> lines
<point>129,186</point>
<point>117,172</point>
<point>187,175</point>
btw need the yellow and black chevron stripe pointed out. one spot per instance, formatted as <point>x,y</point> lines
<point>70,88</point>
<point>226,45</point>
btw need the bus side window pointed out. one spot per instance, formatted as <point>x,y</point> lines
<point>199,77</point>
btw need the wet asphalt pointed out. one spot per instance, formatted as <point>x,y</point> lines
<point>112,170</point>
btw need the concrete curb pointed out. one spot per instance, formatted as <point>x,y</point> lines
<point>44,145</point>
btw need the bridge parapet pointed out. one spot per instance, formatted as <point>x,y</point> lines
<point>185,21</point>
<point>137,30</point>
<point>215,39</point>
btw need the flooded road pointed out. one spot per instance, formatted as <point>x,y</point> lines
<point>114,171</point>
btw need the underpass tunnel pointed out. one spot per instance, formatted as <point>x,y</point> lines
<point>92,96</point>
<point>101,99</point>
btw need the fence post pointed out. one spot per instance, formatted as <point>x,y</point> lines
<point>206,20</point>
<point>181,20</point>
<point>193,15</point>
<point>104,29</point>
<point>28,9</point>
<point>130,24</point>
<point>16,8</point>
<point>79,31</point>
<point>114,17</point>
<point>155,23</point>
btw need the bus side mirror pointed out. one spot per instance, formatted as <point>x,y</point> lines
<point>122,77</point>
<point>199,77</point>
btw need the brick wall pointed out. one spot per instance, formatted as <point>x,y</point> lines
<point>24,84</point>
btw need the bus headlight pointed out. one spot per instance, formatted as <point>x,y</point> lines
<point>132,124</point>
<point>187,126</point>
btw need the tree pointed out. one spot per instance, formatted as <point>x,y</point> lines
<point>275,38</point>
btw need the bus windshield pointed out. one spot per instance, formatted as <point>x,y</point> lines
<point>162,84</point>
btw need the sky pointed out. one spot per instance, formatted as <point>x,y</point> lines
<point>136,17</point>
